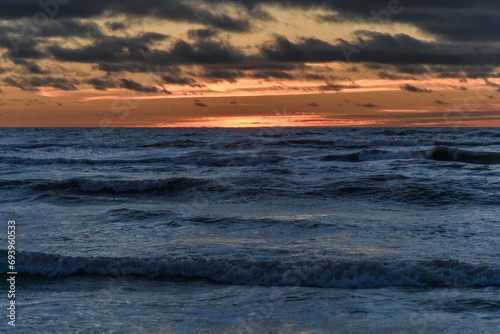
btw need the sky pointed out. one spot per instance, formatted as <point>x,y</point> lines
<point>249,63</point>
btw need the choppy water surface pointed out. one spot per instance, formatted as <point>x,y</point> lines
<point>254,230</point>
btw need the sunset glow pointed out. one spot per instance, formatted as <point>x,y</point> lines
<point>156,68</point>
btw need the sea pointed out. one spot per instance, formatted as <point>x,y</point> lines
<point>252,230</point>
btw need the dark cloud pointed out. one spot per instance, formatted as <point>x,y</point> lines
<point>69,28</point>
<point>116,26</point>
<point>391,76</point>
<point>35,82</point>
<point>202,52</point>
<point>101,84</point>
<point>454,20</point>
<point>202,33</point>
<point>373,47</point>
<point>315,77</point>
<point>132,85</point>
<point>332,86</point>
<point>367,105</point>
<point>173,10</point>
<point>110,49</point>
<point>135,54</point>
<point>217,75</point>
<point>176,80</point>
<point>459,88</point>
<point>440,102</point>
<point>312,104</point>
<point>413,89</point>
<point>198,103</point>
<point>31,66</point>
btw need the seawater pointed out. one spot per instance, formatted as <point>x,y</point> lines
<point>265,230</point>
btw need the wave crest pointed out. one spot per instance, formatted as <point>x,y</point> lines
<point>317,273</point>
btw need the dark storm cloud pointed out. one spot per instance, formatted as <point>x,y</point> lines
<point>116,54</point>
<point>115,26</point>
<point>132,85</point>
<point>367,105</point>
<point>413,89</point>
<point>373,47</point>
<point>201,33</point>
<point>198,103</point>
<point>333,86</point>
<point>109,49</point>
<point>28,50</point>
<point>392,57</point>
<point>392,76</point>
<point>454,20</point>
<point>176,80</point>
<point>35,82</point>
<point>68,28</point>
<point>31,66</point>
<point>218,75</point>
<point>173,10</point>
<point>101,84</point>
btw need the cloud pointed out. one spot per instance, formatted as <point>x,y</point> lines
<point>367,105</point>
<point>172,10</point>
<point>202,33</point>
<point>101,84</point>
<point>198,103</point>
<point>35,82</point>
<point>176,80</point>
<point>110,49</point>
<point>392,76</point>
<point>135,54</point>
<point>115,26</point>
<point>132,85</point>
<point>373,47</point>
<point>413,89</point>
<point>312,104</point>
<point>439,102</point>
<point>453,20</point>
<point>331,86</point>
<point>218,75</point>
<point>31,66</point>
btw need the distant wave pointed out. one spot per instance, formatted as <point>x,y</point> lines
<point>351,143</point>
<point>319,273</point>
<point>203,159</point>
<point>130,186</point>
<point>454,154</point>
<point>440,153</point>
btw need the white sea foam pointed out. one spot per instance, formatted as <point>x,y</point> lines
<point>320,273</point>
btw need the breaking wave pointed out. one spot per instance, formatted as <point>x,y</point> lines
<point>316,273</point>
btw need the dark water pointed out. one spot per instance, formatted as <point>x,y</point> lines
<point>254,230</point>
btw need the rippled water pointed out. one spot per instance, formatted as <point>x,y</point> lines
<point>333,230</point>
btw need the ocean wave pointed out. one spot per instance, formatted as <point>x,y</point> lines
<point>318,273</point>
<point>64,161</point>
<point>201,159</point>
<point>443,153</point>
<point>348,143</point>
<point>373,155</point>
<point>130,186</point>
<point>440,153</point>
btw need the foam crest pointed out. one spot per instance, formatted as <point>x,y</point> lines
<point>318,273</point>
